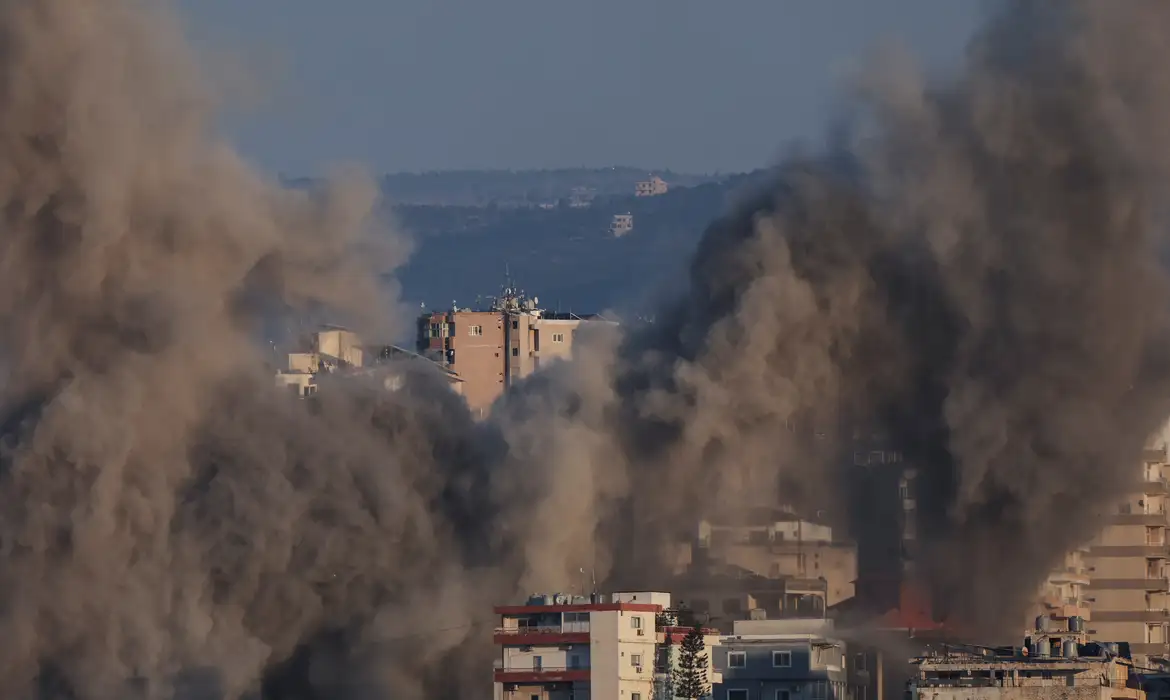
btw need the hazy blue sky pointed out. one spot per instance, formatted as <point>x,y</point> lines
<point>695,85</point>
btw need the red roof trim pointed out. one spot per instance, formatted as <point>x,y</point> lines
<point>587,607</point>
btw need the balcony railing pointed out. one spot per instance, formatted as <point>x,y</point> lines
<point>549,629</point>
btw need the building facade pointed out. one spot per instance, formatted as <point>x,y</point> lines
<point>561,647</point>
<point>1064,594</point>
<point>1127,566</point>
<point>491,350</point>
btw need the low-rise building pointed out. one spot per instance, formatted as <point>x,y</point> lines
<point>756,664</point>
<point>621,224</point>
<point>562,647</point>
<point>651,187</point>
<point>1080,672</point>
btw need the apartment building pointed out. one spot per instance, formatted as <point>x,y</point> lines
<point>1127,562</point>
<point>779,544</point>
<point>561,647</point>
<point>1064,594</point>
<point>651,187</point>
<point>490,350</point>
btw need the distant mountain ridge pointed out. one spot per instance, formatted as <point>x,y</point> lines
<point>515,187</point>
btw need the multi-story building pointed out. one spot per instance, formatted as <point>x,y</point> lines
<point>491,350</point>
<point>757,664</point>
<point>1063,595</point>
<point>651,188</point>
<point>778,544</point>
<point>1128,575</point>
<point>561,647</point>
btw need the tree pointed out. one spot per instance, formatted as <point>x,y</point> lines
<point>690,678</point>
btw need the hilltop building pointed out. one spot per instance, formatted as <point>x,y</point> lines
<point>651,187</point>
<point>1127,566</point>
<point>490,350</point>
<point>621,224</point>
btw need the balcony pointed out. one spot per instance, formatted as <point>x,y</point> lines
<point>544,674</point>
<point>537,636</point>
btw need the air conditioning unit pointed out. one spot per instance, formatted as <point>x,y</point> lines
<point>637,669</point>
<point>641,632</point>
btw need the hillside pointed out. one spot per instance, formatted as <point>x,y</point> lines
<point>564,256</point>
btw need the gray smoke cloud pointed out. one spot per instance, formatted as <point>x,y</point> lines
<point>973,268</point>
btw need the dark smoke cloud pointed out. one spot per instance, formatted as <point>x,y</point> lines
<point>972,268</point>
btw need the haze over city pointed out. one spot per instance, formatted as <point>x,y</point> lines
<point>655,351</point>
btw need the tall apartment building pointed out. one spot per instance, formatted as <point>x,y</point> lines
<point>1128,576</point>
<point>560,647</point>
<point>490,350</point>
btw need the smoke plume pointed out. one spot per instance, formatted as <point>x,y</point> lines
<point>973,270</point>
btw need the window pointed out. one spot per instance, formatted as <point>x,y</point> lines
<point>859,662</point>
<point>515,352</point>
<point>515,325</point>
<point>475,330</point>
<point>635,659</point>
<point>537,663</point>
<point>820,690</point>
<point>558,337</point>
<point>736,659</point>
<point>781,659</point>
<point>636,622</point>
<point>635,696</point>
<point>737,694</point>
<point>574,661</point>
<point>781,695</point>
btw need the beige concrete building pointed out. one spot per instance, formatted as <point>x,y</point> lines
<point>491,350</point>
<point>337,350</point>
<point>561,647</point>
<point>651,188</point>
<point>1128,582</point>
<point>1064,594</point>
<point>785,547</point>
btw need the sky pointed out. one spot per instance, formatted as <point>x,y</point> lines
<point>417,85</point>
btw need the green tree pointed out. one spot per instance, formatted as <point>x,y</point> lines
<point>690,678</point>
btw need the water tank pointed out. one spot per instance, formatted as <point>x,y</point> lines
<point>1042,623</point>
<point>1043,648</point>
<point>1076,624</point>
<point>1070,649</point>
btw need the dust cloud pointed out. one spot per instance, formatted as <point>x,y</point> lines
<point>972,269</point>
